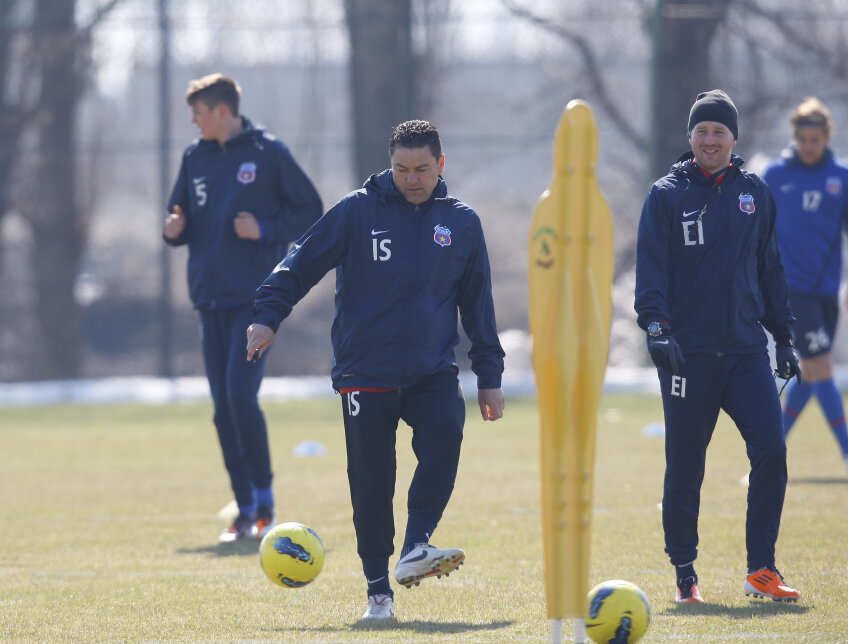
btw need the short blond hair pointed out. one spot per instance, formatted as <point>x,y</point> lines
<point>214,89</point>
<point>811,113</point>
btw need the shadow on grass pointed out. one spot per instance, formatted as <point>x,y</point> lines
<point>753,610</point>
<point>818,481</point>
<point>418,626</point>
<point>241,548</point>
<point>429,627</point>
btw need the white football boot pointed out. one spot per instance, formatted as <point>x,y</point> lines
<point>380,607</point>
<point>427,561</point>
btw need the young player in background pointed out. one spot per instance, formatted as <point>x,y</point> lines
<point>708,279</point>
<point>810,186</point>
<point>239,199</point>
<point>407,257</point>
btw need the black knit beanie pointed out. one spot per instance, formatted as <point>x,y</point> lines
<point>714,106</point>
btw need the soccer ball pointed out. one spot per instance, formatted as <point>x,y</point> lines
<point>619,613</point>
<point>291,554</point>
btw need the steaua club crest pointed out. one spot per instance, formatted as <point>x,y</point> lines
<point>833,185</point>
<point>442,236</point>
<point>246,173</point>
<point>746,204</point>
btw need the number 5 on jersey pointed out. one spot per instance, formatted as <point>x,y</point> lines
<point>200,191</point>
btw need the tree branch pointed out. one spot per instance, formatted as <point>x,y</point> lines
<point>99,15</point>
<point>591,66</point>
<point>805,40</point>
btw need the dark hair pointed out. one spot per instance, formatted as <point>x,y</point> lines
<point>213,90</point>
<point>416,134</point>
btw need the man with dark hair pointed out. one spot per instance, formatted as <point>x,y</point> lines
<point>239,199</point>
<point>708,280</point>
<point>810,185</point>
<point>416,134</point>
<point>407,256</point>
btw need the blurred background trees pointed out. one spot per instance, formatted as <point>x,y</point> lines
<point>80,203</point>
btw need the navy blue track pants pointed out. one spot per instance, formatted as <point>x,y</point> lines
<point>234,384</point>
<point>435,410</point>
<point>744,387</point>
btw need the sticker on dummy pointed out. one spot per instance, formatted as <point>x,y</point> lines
<point>442,236</point>
<point>246,173</point>
<point>746,204</point>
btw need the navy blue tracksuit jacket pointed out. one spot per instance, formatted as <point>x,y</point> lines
<point>708,264</point>
<point>256,173</point>
<point>402,271</point>
<point>708,261</point>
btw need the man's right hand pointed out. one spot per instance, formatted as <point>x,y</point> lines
<point>175,223</point>
<point>666,353</point>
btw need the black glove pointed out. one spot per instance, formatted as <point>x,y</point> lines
<point>787,361</point>
<point>664,350</point>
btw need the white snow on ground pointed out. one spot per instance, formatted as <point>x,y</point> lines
<point>153,391</point>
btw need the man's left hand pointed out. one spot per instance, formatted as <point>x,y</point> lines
<point>491,403</point>
<point>259,338</point>
<point>247,227</point>
<point>787,363</point>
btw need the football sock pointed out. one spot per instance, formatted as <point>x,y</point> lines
<point>419,527</point>
<point>831,404</point>
<point>686,570</point>
<point>264,497</point>
<point>376,571</point>
<point>796,397</point>
<point>380,586</point>
<point>247,510</point>
<point>409,547</point>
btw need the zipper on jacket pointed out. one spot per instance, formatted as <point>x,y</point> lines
<point>407,329</point>
<point>727,311</point>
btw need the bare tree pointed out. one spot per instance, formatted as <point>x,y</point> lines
<point>60,67</point>
<point>382,76</point>
<point>10,112</point>
<point>593,71</point>
<point>683,32</point>
<point>430,45</point>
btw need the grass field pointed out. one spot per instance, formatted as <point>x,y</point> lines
<point>109,532</point>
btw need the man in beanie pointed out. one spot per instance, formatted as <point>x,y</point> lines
<point>709,283</point>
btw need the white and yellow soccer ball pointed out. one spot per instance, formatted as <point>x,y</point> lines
<point>291,554</point>
<point>619,613</point>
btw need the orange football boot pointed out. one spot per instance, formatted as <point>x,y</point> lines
<point>687,591</point>
<point>263,522</point>
<point>768,582</point>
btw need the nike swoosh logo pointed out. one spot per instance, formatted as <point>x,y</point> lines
<point>787,187</point>
<point>378,232</point>
<point>660,341</point>
<point>689,214</point>
<point>423,555</point>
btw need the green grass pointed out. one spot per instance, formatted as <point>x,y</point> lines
<point>109,532</point>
